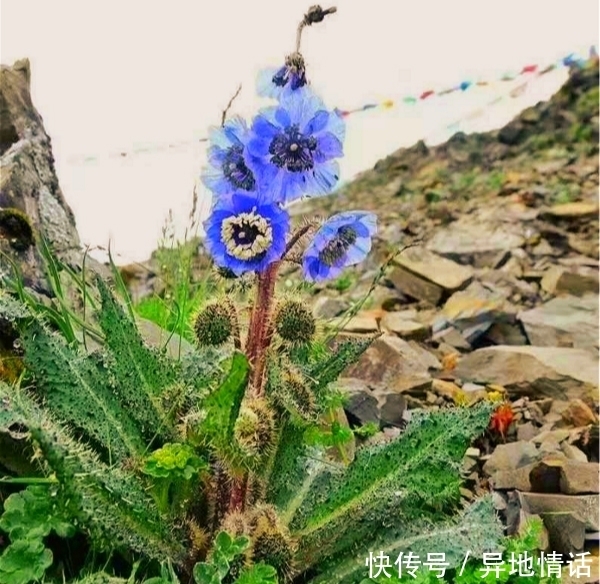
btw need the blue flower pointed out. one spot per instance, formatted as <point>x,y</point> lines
<point>227,170</point>
<point>292,147</point>
<point>274,81</point>
<point>342,241</point>
<point>245,234</point>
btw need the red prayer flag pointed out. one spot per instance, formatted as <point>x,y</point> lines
<point>529,69</point>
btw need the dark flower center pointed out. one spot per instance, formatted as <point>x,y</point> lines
<point>247,235</point>
<point>236,171</point>
<point>338,246</point>
<point>293,150</point>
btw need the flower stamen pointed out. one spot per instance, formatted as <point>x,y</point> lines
<point>247,235</point>
<point>338,246</point>
<point>236,171</point>
<point>293,150</point>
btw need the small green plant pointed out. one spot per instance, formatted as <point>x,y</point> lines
<point>29,517</point>
<point>344,282</point>
<point>181,293</point>
<point>464,181</point>
<point>367,430</point>
<point>172,468</point>
<point>495,180</point>
<point>580,132</point>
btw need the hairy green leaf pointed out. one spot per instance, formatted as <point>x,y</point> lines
<point>12,310</point>
<point>328,369</point>
<point>412,477</point>
<point>291,471</point>
<point>221,408</point>
<point>80,391</point>
<point>109,503</point>
<point>476,529</point>
<point>141,373</point>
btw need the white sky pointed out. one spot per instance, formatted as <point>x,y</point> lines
<point>111,75</point>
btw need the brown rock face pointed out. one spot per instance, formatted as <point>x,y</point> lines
<point>556,372</point>
<point>31,202</point>
<point>393,364</point>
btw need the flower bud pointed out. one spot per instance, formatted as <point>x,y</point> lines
<point>297,395</point>
<point>255,427</point>
<point>294,322</point>
<point>213,325</point>
<point>235,524</point>
<point>272,544</point>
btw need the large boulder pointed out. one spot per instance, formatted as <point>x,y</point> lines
<point>32,204</point>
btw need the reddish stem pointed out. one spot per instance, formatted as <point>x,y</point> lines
<point>259,338</point>
<point>258,330</point>
<point>237,497</point>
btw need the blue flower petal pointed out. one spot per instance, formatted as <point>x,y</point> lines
<point>317,123</point>
<point>218,137</point>
<point>337,126</point>
<point>328,147</point>
<point>264,84</point>
<point>282,117</point>
<point>331,250</point>
<point>292,147</point>
<point>326,177</point>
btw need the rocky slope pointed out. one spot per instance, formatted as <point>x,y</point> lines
<point>497,298</point>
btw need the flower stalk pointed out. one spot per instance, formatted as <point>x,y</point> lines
<point>315,14</point>
<point>259,336</point>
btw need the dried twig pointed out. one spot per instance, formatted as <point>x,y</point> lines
<point>315,14</point>
<point>224,116</point>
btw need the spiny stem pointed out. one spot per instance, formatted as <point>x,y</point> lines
<point>299,233</point>
<point>315,14</point>
<point>237,498</point>
<point>258,337</point>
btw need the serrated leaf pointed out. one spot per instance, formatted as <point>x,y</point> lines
<point>289,477</point>
<point>12,310</point>
<point>328,369</point>
<point>412,477</point>
<point>140,372</point>
<point>24,561</point>
<point>221,407</point>
<point>79,391</point>
<point>110,504</point>
<point>33,513</point>
<point>476,529</point>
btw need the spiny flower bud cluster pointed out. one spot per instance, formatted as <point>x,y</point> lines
<point>213,324</point>
<point>255,427</point>
<point>294,322</point>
